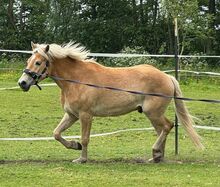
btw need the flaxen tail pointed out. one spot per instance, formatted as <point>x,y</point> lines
<point>184,117</point>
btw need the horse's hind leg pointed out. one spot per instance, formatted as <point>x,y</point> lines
<point>64,124</point>
<point>162,126</point>
<point>154,109</point>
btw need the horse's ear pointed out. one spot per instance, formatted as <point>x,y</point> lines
<point>33,45</point>
<point>46,48</point>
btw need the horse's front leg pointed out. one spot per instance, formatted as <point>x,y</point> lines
<point>86,122</point>
<point>64,124</point>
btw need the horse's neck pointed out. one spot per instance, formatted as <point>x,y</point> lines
<point>66,69</point>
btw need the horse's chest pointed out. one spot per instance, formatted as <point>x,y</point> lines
<point>69,103</point>
<point>71,108</point>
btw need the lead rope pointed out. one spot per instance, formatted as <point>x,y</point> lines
<point>135,92</point>
<point>36,84</point>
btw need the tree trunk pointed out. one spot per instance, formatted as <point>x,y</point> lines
<point>94,11</point>
<point>212,7</point>
<point>21,17</point>
<point>141,12</point>
<point>155,12</point>
<point>11,21</point>
<point>170,37</point>
<point>135,21</point>
<point>212,11</point>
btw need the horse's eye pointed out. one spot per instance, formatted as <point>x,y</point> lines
<point>37,63</point>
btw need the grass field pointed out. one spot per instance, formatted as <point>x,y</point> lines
<point>116,160</point>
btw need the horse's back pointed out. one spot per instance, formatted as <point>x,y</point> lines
<point>144,77</point>
<point>150,77</point>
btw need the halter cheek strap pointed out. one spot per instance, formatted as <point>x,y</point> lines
<point>36,76</point>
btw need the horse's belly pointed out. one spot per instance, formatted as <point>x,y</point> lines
<point>112,111</point>
<point>116,106</point>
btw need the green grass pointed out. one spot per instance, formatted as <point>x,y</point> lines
<point>110,174</point>
<point>116,160</point>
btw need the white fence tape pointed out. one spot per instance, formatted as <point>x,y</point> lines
<point>97,135</point>
<point>166,71</point>
<point>119,55</point>
<point>14,51</point>
<point>195,72</point>
<point>11,88</point>
<point>77,136</point>
<point>122,55</point>
<point>207,128</point>
<point>17,87</point>
<point>10,69</point>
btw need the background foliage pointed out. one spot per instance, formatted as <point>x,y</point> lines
<point>109,26</point>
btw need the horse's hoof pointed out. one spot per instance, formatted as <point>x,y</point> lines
<point>80,160</point>
<point>75,145</point>
<point>155,160</point>
<point>79,146</point>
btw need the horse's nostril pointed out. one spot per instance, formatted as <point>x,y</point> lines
<point>23,83</point>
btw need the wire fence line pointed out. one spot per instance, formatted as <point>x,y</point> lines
<point>121,55</point>
<point>17,87</point>
<point>99,135</point>
<point>136,92</point>
<point>11,69</point>
<point>15,51</point>
<point>214,74</point>
<point>194,72</point>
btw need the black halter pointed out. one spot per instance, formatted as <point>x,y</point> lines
<point>36,76</point>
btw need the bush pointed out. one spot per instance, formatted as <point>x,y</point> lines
<point>12,61</point>
<point>196,64</point>
<point>128,61</point>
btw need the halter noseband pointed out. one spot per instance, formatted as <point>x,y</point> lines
<point>36,76</point>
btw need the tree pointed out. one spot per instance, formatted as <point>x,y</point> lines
<point>110,26</point>
<point>193,31</point>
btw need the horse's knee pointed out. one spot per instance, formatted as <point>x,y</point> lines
<point>56,135</point>
<point>168,125</point>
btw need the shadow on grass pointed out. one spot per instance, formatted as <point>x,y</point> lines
<point>107,161</point>
<point>31,161</point>
<point>2,162</point>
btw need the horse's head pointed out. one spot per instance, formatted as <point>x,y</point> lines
<point>36,69</point>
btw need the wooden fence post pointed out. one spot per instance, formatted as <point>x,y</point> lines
<point>176,47</point>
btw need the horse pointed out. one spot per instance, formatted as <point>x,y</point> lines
<point>82,102</point>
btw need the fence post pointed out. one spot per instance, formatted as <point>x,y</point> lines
<point>176,48</point>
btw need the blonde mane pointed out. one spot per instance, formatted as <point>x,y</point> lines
<point>72,50</point>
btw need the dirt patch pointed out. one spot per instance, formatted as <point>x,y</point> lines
<point>107,161</point>
<point>121,160</point>
<point>32,161</point>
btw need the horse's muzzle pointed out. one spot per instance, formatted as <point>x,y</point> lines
<point>25,82</point>
<point>24,86</point>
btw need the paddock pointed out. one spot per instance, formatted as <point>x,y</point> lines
<point>120,147</point>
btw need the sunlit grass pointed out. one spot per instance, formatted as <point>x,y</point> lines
<point>116,160</point>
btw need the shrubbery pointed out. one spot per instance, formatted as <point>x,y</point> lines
<point>128,61</point>
<point>194,64</point>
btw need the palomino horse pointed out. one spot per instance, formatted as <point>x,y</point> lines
<point>83,102</point>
